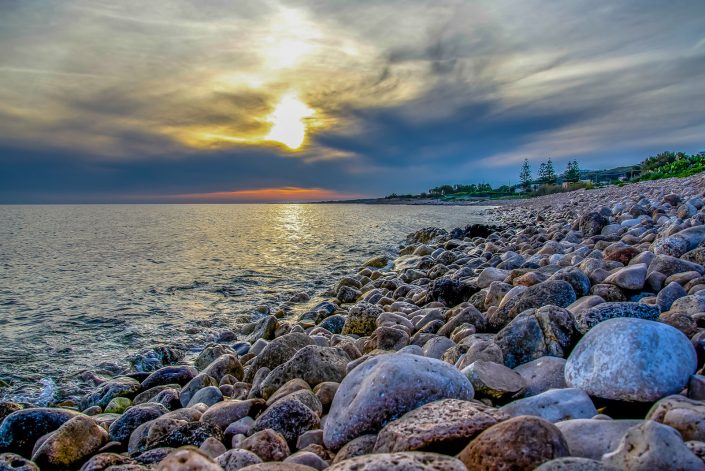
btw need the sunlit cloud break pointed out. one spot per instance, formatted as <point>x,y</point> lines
<point>186,97</point>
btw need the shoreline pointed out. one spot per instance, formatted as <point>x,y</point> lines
<point>494,322</point>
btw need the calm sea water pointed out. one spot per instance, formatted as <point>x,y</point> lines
<point>86,286</point>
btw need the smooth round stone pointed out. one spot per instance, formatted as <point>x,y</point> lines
<point>384,388</point>
<point>631,277</point>
<point>631,360</point>
<point>209,395</point>
<point>554,405</point>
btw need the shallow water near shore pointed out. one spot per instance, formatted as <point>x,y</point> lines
<point>85,285</point>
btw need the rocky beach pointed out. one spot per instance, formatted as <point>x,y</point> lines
<point>568,333</point>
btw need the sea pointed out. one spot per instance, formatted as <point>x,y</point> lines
<point>85,288</point>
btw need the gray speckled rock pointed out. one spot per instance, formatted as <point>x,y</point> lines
<point>542,374</point>
<point>675,246</point>
<point>683,414</point>
<point>588,319</point>
<point>276,352</point>
<point>289,417</point>
<point>554,405</point>
<point>592,438</point>
<point>233,460</point>
<point>384,388</point>
<point>652,445</point>
<point>632,360</point>
<point>313,364</point>
<point>556,292</point>
<point>404,461</point>
<point>690,304</point>
<point>669,265</point>
<point>575,464</point>
<point>549,330</point>
<point>592,223</point>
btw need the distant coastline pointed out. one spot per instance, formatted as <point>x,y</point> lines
<point>412,202</point>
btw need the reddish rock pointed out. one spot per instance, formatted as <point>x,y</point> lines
<point>444,426</point>
<point>521,443</point>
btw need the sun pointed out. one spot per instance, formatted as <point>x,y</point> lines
<point>289,121</point>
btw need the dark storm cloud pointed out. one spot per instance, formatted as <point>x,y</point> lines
<point>104,101</point>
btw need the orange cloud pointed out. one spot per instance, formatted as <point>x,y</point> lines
<point>264,195</point>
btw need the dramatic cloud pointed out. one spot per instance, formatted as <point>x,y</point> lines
<point>109,101</point>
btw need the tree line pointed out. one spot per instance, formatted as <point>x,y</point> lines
<point>547,174</point>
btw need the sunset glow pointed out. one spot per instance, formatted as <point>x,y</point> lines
<point>283,194</point>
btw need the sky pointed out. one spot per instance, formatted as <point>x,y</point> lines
<point>303,100</point>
